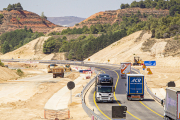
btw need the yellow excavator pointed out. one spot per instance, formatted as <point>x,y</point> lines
<point>67,68</point>
<point>137,61</point>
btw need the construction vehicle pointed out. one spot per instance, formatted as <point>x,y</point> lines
<point>104,88</point>
<point>50,67</point>
<point>137,61</point>
<point>68,68</point>
<point>59,71</point>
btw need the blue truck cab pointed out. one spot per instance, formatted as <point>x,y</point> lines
<point>135,86</point>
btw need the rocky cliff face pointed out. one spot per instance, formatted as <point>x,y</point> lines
<point>113,16</point>
<point>18,19</point>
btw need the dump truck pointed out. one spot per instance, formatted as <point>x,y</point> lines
<point>125,69</point>
<point>50,67</point>
<point>172,104</point>
<point>135,86</point>
<point>59,71</point>
<point>67,68</point>
<point>104,88</point>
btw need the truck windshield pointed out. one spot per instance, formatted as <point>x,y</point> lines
<point>104,75</point>
<point>105,89</point>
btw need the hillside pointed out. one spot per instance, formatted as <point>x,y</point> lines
<point>140,44</point>
<point>65,21</point>
<point>15,19</point>
<point>164,51</point>
<point>113,16</point>
<point>32,50</point>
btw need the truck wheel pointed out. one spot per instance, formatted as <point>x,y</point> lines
<point>62,75</point>
<point>97,101</point>
<point>166,118</point>
<point>128,99</point>
<point>54,76</point>
<point>111,82</point>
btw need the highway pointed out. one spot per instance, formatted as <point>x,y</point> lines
<point>148,109</point>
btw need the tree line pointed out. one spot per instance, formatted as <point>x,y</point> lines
<point>83,46</point>
<point>10,41</point>
<point>172,5</point>
<point>16,6</point>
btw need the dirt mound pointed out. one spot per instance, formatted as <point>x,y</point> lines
<point>26,18</point>
<point>73,76</point>
<point>7,74</point>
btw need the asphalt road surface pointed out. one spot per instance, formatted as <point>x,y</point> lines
<point>148,109</point>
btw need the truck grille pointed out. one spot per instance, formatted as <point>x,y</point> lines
<point>104,97</point>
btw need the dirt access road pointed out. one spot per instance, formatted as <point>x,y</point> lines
<point>24,99</point>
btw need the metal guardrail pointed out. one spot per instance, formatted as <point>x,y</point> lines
<point>149,91</point>
<point>86,109</point>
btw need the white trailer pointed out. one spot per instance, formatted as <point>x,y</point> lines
<point>125,69</point>
<point>172,104</point>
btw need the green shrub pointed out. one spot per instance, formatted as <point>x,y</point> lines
<point>20,72</point>
<point>77,24</point>
<point>1,64</point>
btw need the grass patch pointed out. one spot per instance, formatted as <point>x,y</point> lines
<point>20,72</point>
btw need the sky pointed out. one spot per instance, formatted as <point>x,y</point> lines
<point>60,8</point>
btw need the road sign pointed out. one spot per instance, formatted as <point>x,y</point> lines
<point>70,85</point>
<point>119,112</point>
<point>149,71</point>
<point>88,59</point>
<point>150,63</point>
<point>144,66</point>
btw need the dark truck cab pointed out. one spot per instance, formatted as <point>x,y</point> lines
<point>104,79</point>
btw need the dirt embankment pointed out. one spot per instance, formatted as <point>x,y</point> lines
<point>7,74</point>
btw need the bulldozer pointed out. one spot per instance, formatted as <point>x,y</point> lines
<point>50,67</point>
<point>67,68</point>
<point>137,61</point>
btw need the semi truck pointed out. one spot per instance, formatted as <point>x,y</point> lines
<point>135,86</point>
<point>104,88</point>
<point>125,69</point>
<point>172,104</point>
